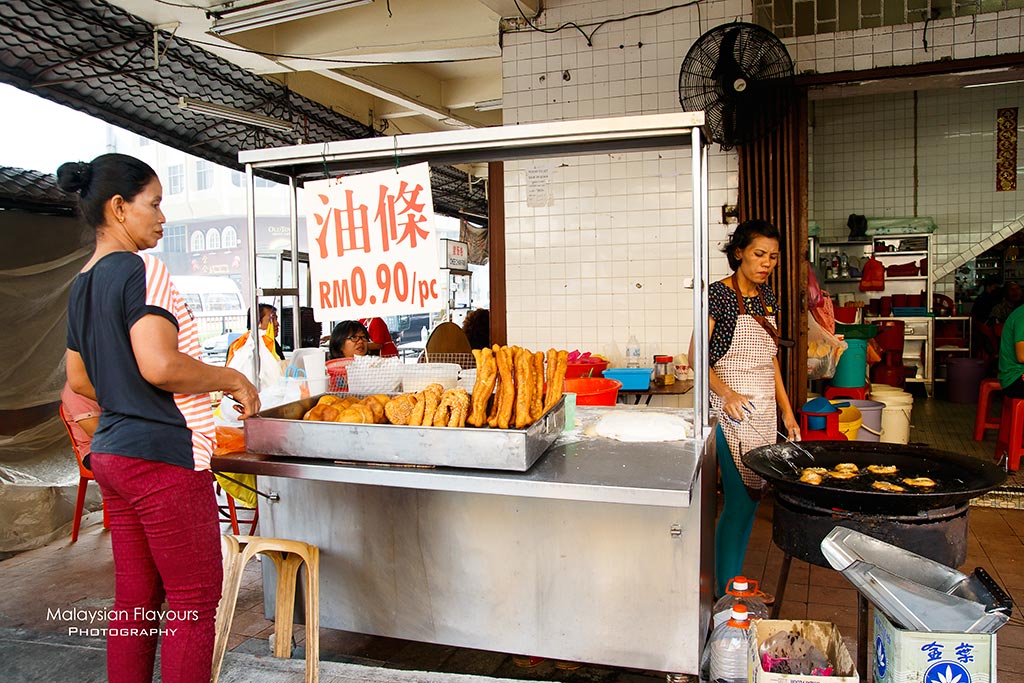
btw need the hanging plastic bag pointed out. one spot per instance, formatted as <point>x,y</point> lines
<point>823,351</point>
<point>814,294</point>
<point>270,365</point>
<point>872,279</point>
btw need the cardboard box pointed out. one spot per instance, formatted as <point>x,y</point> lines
<point>823,634</point>
<point>901,656</point>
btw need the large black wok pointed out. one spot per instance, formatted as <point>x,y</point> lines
<point>960,477</point>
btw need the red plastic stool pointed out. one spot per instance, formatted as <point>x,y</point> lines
<point>830,433</point>
<point>860,393</point>
<point>982,420</point>
<point>1011,433</point>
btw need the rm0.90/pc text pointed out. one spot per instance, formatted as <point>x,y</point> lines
<point>392,281</point>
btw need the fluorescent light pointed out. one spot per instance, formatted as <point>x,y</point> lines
<point>985,85</point>
<point>488,105</point>
<point>261,14</point>
<point>222,111</point>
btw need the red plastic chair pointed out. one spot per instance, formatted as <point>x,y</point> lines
<point>1011,433</point>
<point>830,433</point>
<point>84,477</point>
<point>982,419</point>
<point>229,514</point>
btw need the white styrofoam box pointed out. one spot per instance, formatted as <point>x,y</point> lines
<point>901,656</point>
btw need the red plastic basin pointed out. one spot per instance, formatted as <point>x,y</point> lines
<point>594,391</point>
<point>592,367</point>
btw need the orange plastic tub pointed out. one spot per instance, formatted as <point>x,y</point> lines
<point>594,391</point>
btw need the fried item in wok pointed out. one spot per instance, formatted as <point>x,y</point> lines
<point>815,470</point>
<point>840,474</point>
<point>887,486</point>
<point>809,477</point>
<point>919,482</point>
<point>846,467</point>
<point>882,469</point>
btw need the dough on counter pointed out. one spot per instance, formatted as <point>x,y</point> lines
<point>642,426</point>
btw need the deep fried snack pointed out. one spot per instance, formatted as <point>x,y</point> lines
<point>920,482</point>
<point>524,388</point>
<point>887,486</point>
<point>451,410</point>
<point>432,394</point>
<point>321,412</point>
<point>882,469</point>
<point>492,416</point>
<point>537,400</point>
<point>557,380</point>
<point>506,395</point>
<point>816,470</point>
<point>330,400</point>
<point>374,404</point>
<point>550,369</point>
<point>416,417</point>
<point>838,474</point>
<point>383,398</point>
<point>486,376</point>
<point>347,402</point>
<point>353,415</point>
<point>399,409</point>
<point>846,467</point>
<point>809,477</point>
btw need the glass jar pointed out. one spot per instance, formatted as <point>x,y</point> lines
<point>664,371</point>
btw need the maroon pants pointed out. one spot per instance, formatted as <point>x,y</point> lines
<point>166,541</point>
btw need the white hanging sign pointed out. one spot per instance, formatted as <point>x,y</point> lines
<point>373,249</point>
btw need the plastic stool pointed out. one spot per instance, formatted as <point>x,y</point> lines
<point>830,433</point>
<point>1011,433</point>
<point>982,420</point>
<point>288,556</point>
<point>859,393</point>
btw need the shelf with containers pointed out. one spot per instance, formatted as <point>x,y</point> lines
<point>952,340</point>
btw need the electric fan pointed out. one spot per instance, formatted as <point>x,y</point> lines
<point>741,76</point>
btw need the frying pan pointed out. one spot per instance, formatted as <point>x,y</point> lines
<point>959,477</point>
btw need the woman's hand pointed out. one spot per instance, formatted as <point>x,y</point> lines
<point>736,405</point>
<point>245,393</point>
<point>792,426</point>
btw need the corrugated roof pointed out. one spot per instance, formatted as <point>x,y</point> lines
<point>98,59</point>
<point>33,191</point>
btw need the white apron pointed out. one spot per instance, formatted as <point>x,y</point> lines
<point>748,367</point>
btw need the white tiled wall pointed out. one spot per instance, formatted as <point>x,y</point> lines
<point>864,163</point>
<point>609,258</point>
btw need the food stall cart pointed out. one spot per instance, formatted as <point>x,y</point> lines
<point>601,552</point>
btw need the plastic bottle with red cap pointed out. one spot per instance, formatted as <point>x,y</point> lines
<point>741,591</point>
<point>727,648</point>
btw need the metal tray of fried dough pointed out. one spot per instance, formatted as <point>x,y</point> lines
<point>282,431</point>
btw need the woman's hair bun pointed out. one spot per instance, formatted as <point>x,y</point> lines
<point>74,176</point>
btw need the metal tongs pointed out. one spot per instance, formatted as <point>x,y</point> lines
<point>749,407</point>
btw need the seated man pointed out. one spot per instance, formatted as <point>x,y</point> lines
<point>268,317</point>
<point>1011,355</point>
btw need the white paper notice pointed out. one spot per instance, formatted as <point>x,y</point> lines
<point>373,250</point>
<point>538,185</point>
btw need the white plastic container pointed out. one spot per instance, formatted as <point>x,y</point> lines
<point>728,656</point>
<point>416,376</point>
<point>895,415</point>
<point>633,352</point>
<point>739,592</point>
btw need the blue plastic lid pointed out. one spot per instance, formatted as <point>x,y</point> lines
<point>819,405</point>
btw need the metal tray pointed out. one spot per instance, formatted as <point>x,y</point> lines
<point>282,431</point>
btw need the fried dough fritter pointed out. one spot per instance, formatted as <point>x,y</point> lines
<point>809,477</point>
<point>846,467</point>
<point>882,469</point>
<point>887,486</point>
<point>920,482</point>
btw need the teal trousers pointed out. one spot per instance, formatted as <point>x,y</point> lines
<point>733,530</point>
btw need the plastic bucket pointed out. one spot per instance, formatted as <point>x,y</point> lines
<point>885,388</point>
<point>594,391</point>
<point>850,372</point>
<point>849,420</point>
<point>964,377</point>
<point>896,423</point>
<point>871,418</point>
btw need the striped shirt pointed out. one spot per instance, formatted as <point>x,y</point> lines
<point>139,420</point>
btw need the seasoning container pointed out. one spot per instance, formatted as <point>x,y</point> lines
<point>664,371</point>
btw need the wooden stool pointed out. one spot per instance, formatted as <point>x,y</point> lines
<point>859,393</point>
<point>1011,433</point>
<point>981,418</point>
<point>287,557</point>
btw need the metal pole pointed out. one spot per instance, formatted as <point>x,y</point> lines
<point>698,155</point>
<point>254,300</point>
<point>294,213</point>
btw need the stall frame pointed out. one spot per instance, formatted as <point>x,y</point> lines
<point>569,560</point>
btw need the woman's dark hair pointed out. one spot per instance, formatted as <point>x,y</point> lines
<point>346,328</point>
<point>102,178</point>
<point>744,235</point>
<point>477,327</point>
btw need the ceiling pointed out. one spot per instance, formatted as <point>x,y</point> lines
<point>129,62</point>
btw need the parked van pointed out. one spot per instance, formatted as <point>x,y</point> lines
<point>215,301</point>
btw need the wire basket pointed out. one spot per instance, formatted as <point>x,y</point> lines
<point>417,377</point>
<point>464,360</point>
<point>375,375</point>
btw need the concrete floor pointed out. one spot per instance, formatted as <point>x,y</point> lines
<point>80,575</point>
